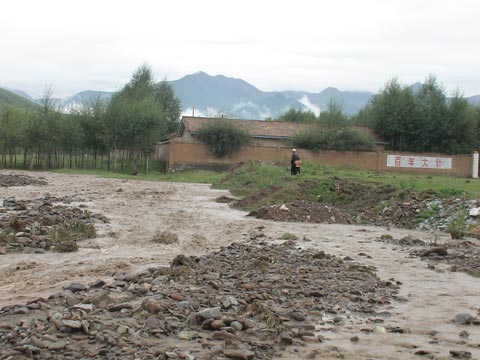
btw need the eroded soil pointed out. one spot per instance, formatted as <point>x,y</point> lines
<point>418,321</point>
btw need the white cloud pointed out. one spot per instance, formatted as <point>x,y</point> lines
<point>312,107</point>
<point>275,45</point>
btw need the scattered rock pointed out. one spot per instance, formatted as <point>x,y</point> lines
<point>209,313</point>
<point>165,238</point>
<point>464,319</point>
<point>75,287</point>
<point>187,335</point>
<point>8,180</point>
<point>239,354</point>
<point>422,352</point>
<point>182,260</point>
<point>474,212</point>
<point>229,302</point>
<point>461,354</point>
<point>379,330</point>
<point>298,316</point>
<point>438,250</point>
<point>243,317</point>
<point>38,225</point>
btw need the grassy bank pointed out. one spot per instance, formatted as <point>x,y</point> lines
<point>254,177</point>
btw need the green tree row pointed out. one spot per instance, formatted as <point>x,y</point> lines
<point>331,130</point>
<point>119,135</point>
<point>421,120</point>
<point>425,120</point>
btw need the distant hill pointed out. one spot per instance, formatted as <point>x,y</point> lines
<point>474,100</point>
<point>236,97</point>
<point>20,93</point>
<point>8,98</point>
<point>352,101</point>
<point>70,103</point>
<point>215,95</point>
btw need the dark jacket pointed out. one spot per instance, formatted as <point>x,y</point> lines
<point>295,157</point>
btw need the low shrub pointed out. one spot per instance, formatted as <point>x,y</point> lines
<point>223,138</point>
<point>456,228</point>
<point>64,237</point>
<point>289,236</point>
<point>334,138</point>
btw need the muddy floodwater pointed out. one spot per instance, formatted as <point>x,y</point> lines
<point>137,211</point>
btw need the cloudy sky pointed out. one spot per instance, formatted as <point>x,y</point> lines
<point>274,45</point>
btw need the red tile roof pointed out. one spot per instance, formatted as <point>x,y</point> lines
<point>256,128</point>
<point>260,128</point>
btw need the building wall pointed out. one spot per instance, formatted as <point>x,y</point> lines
<point>183,155</point>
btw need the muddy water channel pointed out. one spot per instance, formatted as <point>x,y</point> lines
<point>418,323</point>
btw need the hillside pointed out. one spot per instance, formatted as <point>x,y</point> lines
<point>238,98</point>
<point>8,98</point>
<point>235,97</point>
<point>213,95</point>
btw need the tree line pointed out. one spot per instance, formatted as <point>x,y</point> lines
<point>118,135</point>
<point>406,119</point>
<point>423,120</point>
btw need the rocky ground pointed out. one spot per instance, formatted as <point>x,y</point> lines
<point>405,214</point>
<point>175,274</point>
<point>29,226</point>
<point>7,180</point>
<point>247,301</point>
<point>452,255</point>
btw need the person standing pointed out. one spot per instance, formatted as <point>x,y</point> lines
<point>296,162</point>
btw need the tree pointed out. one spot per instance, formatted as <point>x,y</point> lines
<point>333,116</point>
<point>223,138</point>
<point>135,118</point>
<point>433,112</point>
<point>458,127</point>
<point>169,105</point>
<point>364,117</point>
<point>298,116</point>
<point>394,115</point>
<point>70,141</point>
<point>334,138</point>
<point>476,112</point>
<point>91,118</point>
<point>11,127</point>
<point>42,132</point>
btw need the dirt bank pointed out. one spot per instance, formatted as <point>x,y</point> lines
<point>419,321</point>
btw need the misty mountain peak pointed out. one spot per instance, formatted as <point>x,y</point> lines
<point>211,95</point>
<point>199,73</point>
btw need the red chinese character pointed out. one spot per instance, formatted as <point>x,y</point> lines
<point>438,162</point>
<point>398,160</point>
<point>425,163</point>
<point>411,161</point>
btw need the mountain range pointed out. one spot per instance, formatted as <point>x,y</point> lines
<point>205,95</point>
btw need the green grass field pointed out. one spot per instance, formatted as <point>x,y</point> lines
<point>254,177</point>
